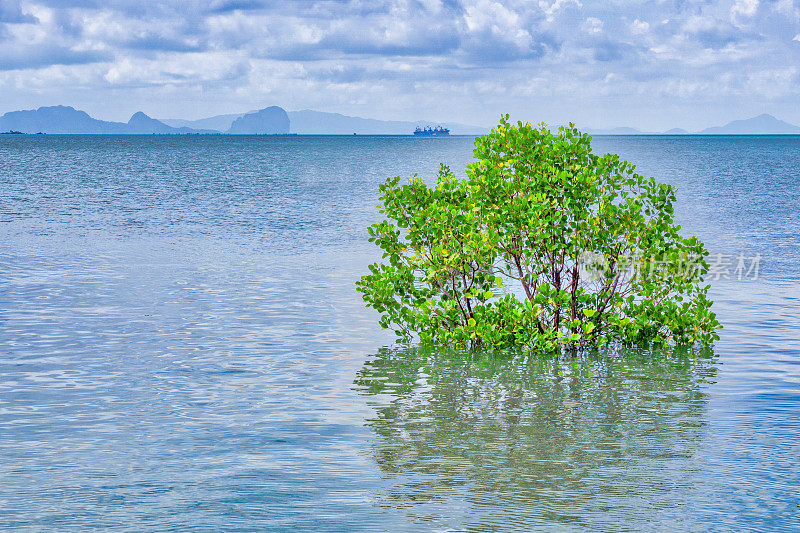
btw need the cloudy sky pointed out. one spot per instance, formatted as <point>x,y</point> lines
<point>649,64</point>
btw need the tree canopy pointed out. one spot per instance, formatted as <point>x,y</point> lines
<point>543,245</point>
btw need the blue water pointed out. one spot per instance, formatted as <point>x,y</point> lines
<point>182,347</point>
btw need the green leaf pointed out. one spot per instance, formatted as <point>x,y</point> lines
<point>537,207</point>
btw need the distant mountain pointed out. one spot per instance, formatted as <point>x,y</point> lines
<point>68,120</point>
<point>760,125</point>
<point>616,131</point>
<point>274,120</point>
<point>271,120</point>
<point>141,124</point>
<point>56,119</point>
<point>219,122</point>
<point>320,123</point>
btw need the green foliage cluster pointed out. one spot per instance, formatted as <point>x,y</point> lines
<point>544,245</point>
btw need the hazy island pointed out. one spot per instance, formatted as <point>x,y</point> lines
<point>274,120</point>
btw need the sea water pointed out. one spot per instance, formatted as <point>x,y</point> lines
<point>182,348</point>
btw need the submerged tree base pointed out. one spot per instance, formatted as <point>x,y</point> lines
<point>588,248</point>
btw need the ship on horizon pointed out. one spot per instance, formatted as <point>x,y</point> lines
<point>428,131</point>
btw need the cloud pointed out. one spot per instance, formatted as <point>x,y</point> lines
<point>551,9</point>
<point>496,33</point>
<point>196,68</point>
<point>608,50</point>
<point>396,32</point>
<point>484,56</point>
<point>714,34</point>
<point>745,8</point>
<point>226,6</point>
<point>592,26</point>
<point>639,27</point>
<point>32,57</point>
<point>11,13</point>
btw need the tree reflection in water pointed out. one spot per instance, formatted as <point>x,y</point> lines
<point>498,442</point>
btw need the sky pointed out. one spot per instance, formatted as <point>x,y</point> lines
<point>650,64</point>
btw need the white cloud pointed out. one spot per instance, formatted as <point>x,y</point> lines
<point>467,60</point>
<point>639,27</point>
<point>551,9</point>
<point>593,26</point>
<point>745,8</point>
<point>787,8</point>
<point>179,69</point>
<point>490,24</point>
<point>486,14</point>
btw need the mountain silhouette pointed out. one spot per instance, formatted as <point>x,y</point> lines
<point>761,125</point>
<point>271,120</point>
<point>56,119</point>
<point>308,122</point>
<point>318,122</point>
<point>140,123</point>
<point>621,130</point>
<point>218,122</point>
<point>62,119</point>
<point>68,120</point>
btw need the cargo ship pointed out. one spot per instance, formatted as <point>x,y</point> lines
<point>438,130</point>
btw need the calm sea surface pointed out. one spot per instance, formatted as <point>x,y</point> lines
<point>182,348</point>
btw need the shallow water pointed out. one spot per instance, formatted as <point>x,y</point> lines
<point>182,347</point>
